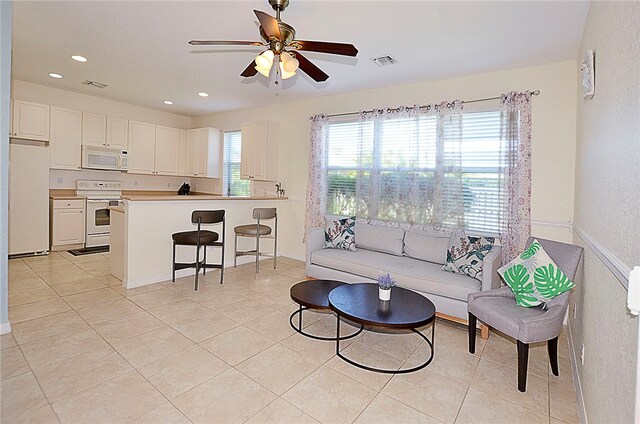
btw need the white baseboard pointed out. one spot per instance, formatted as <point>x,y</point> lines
<point>576,380</point>
<point>5,327</point>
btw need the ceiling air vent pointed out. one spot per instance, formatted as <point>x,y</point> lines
<point>95,84</point>
<point>384,61</point>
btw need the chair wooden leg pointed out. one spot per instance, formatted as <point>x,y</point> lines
<point>523,361</point>
<point>473,321</point>
<point>552,347</point>
<point>484,331</point>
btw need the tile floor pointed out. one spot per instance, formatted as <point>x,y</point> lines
<point>85,350</point>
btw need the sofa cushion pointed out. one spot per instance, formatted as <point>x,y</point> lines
<point>379,238</point>
<point>410,273</point>
<point>339,233</point>
<point>466,254</point>
<point>426,246</point>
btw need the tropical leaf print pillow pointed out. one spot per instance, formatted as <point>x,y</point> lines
<point>534,278</point>
<point>466,253</point>
<point>340,233</point>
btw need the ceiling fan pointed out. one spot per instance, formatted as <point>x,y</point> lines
<point>279,38</point>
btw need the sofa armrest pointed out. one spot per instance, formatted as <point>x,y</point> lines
<point>315,241</point>
<point>492,261</point>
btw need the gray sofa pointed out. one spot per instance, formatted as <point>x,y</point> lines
<point>413,258</point>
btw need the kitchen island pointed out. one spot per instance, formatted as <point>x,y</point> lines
<point>144,233</point>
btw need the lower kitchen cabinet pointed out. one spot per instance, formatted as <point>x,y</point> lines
<point>67,224</point>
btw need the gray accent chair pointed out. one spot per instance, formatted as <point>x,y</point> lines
<point>498,309</point>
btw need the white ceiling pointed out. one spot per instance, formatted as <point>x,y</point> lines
<point>140,48</point>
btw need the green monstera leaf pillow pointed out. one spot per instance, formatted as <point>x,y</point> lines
<point>534,278</point>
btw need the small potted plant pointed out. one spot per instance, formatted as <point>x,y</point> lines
<point>385,282</point>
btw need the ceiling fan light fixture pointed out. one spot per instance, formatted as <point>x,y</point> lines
<point>284,74</point>
<point>288,63</point>
<point>264,71</point>
<point>265,59</point>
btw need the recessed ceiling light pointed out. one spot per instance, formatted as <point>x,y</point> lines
<point>54,75</point>
<point>79,58</point>
<point>168,102</point>
<point>202,94</point>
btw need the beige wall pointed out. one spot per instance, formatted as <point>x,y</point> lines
<point>607,210</point>
<point>553,136</point>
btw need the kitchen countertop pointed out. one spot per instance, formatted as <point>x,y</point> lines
<point>64,194</point>
<point>196,196</point>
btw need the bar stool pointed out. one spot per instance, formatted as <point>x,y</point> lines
<point>200,238</point>
<point>257,231</point>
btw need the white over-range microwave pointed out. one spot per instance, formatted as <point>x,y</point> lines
<point>94,157</point>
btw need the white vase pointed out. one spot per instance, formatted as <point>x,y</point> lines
<point>384,294</point>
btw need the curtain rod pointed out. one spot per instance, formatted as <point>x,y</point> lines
<point>532,92</point>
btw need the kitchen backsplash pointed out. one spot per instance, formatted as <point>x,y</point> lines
<point>59,179</point>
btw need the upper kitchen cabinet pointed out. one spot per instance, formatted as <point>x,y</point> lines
<point>185,160</point>
<point>205,151</point>
<point>117,133</point>
<point>259,155</point>
<point>167,151</point>
<point>94,129</point>
<point>65,138</point>
<point>30,120</point>
<point>142,148</point>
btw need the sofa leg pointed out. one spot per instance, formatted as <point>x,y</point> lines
<point>484,331</point>
<point>552,347</point>
<point>523,362</point>
<point>472,332</point>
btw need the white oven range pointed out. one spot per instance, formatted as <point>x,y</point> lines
<point>100,195</point>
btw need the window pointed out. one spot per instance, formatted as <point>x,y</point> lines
<point>233,184</point>
<point>404,151</point>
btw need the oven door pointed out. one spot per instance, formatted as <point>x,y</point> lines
<point>98,217</point>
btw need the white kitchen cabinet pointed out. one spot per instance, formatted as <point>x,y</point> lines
<point>30,120</point>
<point>65,138</point>
<point>167,150</point>
<point>205,147</point>
<point>259,154</point>
<point>94,129</point>
<point>142,148</point>
<point>67,224</point>
<point>117,132</point>
<point>185,160</point>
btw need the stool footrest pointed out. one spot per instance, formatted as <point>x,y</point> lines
<point>184,265</point>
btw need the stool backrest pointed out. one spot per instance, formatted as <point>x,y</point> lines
<point>207,217</point>
<point>264,213</point>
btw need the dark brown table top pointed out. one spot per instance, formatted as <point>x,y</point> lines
<point>359,303</point>
<point>314,293</point>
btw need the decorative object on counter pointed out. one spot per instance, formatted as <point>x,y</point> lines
<point>588,74</point>
<point>184,190</point>
<point>258,231</point>
<point>279,190</point>
<point>385,282</point>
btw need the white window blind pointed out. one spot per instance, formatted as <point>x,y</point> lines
<point>403,152</point>
<point>234,185</point>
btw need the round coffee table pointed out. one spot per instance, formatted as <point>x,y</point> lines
<point>359,303</point>
<point>313,294</point>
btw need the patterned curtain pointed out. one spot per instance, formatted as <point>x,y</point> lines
<point>409,167</point>
<point>317,182</point>
<point>515,137</point>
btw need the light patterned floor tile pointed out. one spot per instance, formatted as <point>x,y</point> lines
<point>151,346</point>
<point>451,363</point>
<point>37,310</point>
<point>244,311</point>
<point>275,326</point>
<point>165,414</point>
<point>183,370</point>
<point>384,410</point>
<point>237,345</point>
<point>7,341</point>
<point>346,401</point>
<point>481,408</point>
<point>281,412</point>
<point>230,395</point>
<point>292,368</point>
<point>367,356</point>
<point>199,329</point>
<point>91,298</point>
<point>45,327</point>
<point>563,402</point>
<point>120,399</point>
<point>12,363</point>
<point>108,311</point>
<point>128,326</point>
<point>22,297</point>
<point>20,397</point>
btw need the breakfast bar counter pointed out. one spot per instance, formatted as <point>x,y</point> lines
<point>144,229</point>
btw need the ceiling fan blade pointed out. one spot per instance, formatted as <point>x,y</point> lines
<point>269,24</point>
<point>224,43</point>
<point>325,47</point>
<point>310,69</point>
<point>250,70</point>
